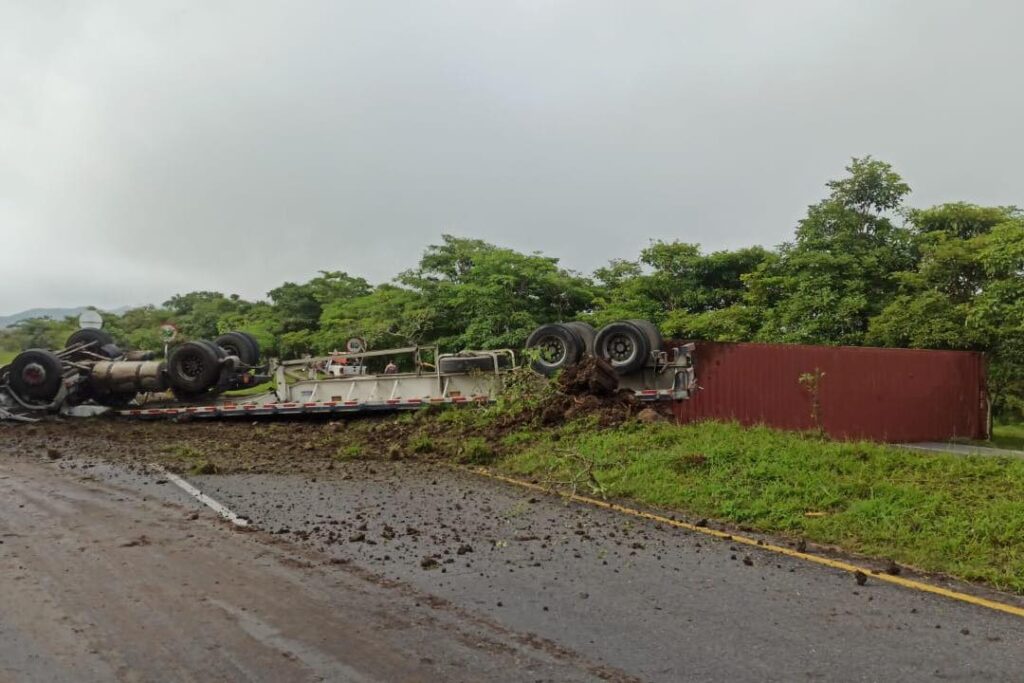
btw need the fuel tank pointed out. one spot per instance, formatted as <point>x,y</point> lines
<point>128,377</point>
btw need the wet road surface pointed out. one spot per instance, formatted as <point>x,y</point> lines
<point>395,571</point>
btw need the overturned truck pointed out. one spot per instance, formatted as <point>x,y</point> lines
<point>221,377</point>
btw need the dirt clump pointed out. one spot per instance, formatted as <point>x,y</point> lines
<point>590,387</point>
<point>650,415</point>
<point>592,376</point>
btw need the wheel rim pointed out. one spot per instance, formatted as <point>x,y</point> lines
<point>552,350</point>
<point>192,366</point>
<point>620,348</point>
<point>34,374</point>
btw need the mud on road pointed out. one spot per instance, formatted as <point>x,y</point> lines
<point>627,597</point>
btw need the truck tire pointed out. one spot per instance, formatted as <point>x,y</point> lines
<point>623,344</point>
<point>652,332</point>
<point>111,351</point>
<point>255,344</point>
<point>560,346</point>
<point>193,367</point>
<point>36,375</point>
<point>466,363</point>
<point>239,345</point>
<point>586,333</point>
<point>102,343</point>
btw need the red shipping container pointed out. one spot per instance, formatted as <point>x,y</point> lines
<point>896,395</point>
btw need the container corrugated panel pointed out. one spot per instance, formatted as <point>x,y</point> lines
<point>896,395</point>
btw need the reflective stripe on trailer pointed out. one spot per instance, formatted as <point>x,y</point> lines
<point>320,407</point>
<point>655,395</point>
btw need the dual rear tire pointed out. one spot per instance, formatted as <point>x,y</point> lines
<point>559,345</point>
<point>626,344</point>
<point>242,345</point>
<point>194,366</point>
<point>99,342</point>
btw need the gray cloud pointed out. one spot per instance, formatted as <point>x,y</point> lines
<point>153,148</point>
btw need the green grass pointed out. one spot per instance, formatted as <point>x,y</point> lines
<point>6,357</point>
<point>959,515</point>
<point>1009,436</point>
<point>253,390</point>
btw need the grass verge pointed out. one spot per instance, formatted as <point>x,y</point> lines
<point>1009,436</point>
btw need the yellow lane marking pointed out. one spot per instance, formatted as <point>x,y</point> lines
<point>781,550</point>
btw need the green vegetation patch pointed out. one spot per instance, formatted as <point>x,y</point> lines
<point>1010,436</point>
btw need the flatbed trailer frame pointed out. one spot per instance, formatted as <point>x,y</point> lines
<point>302,389</point>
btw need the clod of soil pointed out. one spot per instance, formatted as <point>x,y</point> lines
<point>649,415</point>
<point>141,540</point>
<point>860,577</point>
<point>592,376</point>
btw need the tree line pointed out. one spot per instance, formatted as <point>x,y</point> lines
<point>863,268</point>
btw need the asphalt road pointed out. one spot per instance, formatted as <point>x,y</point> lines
<point>382,571</point>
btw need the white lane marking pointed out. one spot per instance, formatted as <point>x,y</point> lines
<point>202,497</point>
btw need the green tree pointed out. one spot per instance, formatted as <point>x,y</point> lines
<point>198,314</point>
<point>483,296</point>
<point>299,308</point>
<point>824,287</point>
<point>388,316</point>
<point>966,292</point>
<point>40,333</point>
<point>138,328</point>
<point>676,286</point>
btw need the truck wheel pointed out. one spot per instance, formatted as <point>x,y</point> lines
<point>255,344</point>
<point>240,345</point>
<point>624,345</point>
<point>586,333</point>
<point>102,343</point>
<point>559,346</point>
<point>36,375</point>
<point>651,330</point>
<point>193,367</point>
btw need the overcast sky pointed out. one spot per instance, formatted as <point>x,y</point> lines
<point>149,148</point>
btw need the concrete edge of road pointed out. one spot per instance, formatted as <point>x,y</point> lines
<point>842,565</point>
<point>950,448</point>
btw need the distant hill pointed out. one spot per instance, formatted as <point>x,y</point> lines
<point>52,313</point>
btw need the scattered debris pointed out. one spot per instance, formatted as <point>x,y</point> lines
<point>141,540</point>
